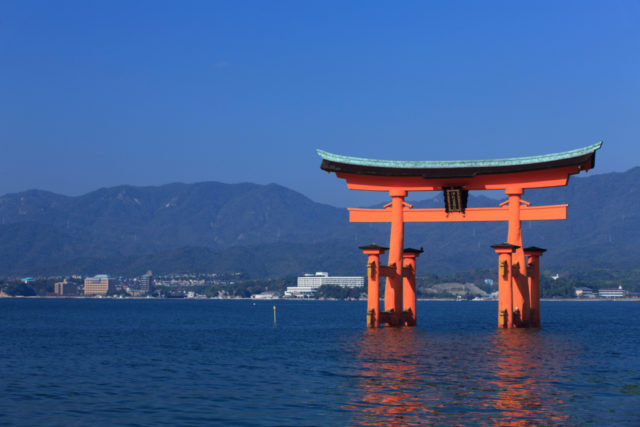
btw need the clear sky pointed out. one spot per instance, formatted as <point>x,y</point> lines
<point>101,93</point>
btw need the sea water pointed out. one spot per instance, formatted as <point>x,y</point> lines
<point>226,362</point>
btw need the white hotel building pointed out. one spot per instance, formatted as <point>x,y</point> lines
<point>612,293</point>
<point>309,283</point>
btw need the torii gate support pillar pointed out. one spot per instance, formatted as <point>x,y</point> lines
<point>409,256</point>
<point>533,255</point>
<point>505,284</point>
<point>373,281</point>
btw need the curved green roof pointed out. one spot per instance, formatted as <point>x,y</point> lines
<point>437,164</point>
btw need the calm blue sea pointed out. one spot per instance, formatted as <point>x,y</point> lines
<point>217,362</point>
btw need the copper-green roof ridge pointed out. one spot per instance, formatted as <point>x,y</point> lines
<point>426,164</point>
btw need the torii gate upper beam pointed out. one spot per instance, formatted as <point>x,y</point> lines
<point>549,170</point>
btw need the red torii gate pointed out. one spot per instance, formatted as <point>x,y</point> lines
<point>518,288</point>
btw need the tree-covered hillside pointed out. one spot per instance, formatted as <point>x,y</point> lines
<point>271,231</point>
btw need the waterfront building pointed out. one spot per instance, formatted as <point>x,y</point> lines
<point>308,284</point>
<point>583,292</point>
<point>100,284</point>
<point>265,295</point>
<point>612,293</point>
<point>65,288</point>
<point>146,283</point>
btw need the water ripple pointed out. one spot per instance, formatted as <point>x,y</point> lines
<point>174,362</point>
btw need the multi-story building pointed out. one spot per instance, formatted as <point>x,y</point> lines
<point>146,283</point>
<point>612,293</point>
<point>309,283</point>
<point>583,292</point>
<point>98,285</point>
<point>65,288</point>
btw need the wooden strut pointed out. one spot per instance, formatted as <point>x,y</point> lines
<point>527,213</point>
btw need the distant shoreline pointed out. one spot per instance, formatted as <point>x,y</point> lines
<point>590,299</point>
<point>301,299</point>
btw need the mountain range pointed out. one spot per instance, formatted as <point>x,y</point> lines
<point>272,231</point>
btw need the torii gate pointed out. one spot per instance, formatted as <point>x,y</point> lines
<point>518,285</point>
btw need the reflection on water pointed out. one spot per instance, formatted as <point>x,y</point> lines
<point>525,367</point>
<point>147,362</point>
<point>506,377</point>
<point>392,387</point>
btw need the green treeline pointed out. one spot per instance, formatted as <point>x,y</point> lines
<point>33,288</point>
<point>338,292</point>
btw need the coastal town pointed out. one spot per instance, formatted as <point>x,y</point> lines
<point>318,285</point>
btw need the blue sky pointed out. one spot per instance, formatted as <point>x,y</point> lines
<point>102,93</point>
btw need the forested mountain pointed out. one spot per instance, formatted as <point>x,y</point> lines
<point>269,230</point>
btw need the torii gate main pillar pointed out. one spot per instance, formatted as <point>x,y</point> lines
<point>519,281</point>
<point>393,288</point>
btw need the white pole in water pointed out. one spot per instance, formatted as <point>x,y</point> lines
<point>274,315</point>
